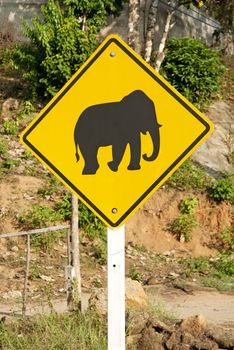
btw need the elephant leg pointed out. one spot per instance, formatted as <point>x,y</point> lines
<point>135,150</point>
<point>117,153</point>
<point>91,163</point>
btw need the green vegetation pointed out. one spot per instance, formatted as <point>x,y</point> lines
<point>55,331</point>
<point>227,236</point>
<point>223,190</point>
<point>193,69</point>
<point>88,222</point>
<point>134,274</point>
<point>9,127</point>
<point>53,186</point>
<point>61,40</point>
<point>158,310</point>
<point>3,147</point>
<point>183,226</point>
<point>10,164</point>
<point>186,222</point>
<point>189,176</point>
<point>26,108</point>
<point>37,217</point>
<point>36,271</point>
<point>213,272</point>
<point>99,251</point>
<point>188,205</point>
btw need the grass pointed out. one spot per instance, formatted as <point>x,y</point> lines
<point>55,332</point>
<point>212,272</point>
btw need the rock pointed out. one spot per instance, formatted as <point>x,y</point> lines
<point>174,275</point>
<point>8,107</point>
<point>132,340</point>
<point>134,294</point>
<point>136,321</point>
<point>160,326</point>
<point>152,281</point>
<point>182,341</point>
<point>46,278</point>
<point>15,249</point>
<point>217,160</point>
<point>151,340</point>
<point>12,294</point>
<point>194,325</point>
<point>224,337</point>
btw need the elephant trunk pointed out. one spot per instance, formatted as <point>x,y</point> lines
<point>154,133</point>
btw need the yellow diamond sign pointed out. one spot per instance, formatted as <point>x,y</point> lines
<point>115,132</point>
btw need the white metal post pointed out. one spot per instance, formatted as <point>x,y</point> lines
<point>116,288</point>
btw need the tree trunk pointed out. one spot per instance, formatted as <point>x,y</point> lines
<point>168,26</point>
<point>134,25</point>
<point>151,29</point>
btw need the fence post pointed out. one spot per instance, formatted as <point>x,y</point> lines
<point>73,269</point>
<point>26,276</point>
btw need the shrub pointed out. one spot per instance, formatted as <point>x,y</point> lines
<point>87,220</point>
<point>225,265</point>
<point>193,69</point>
<point>9,127</point>
<point>223,190</point>
<point>188,205</point>
<point>61,41</point>
<point>182,227</point>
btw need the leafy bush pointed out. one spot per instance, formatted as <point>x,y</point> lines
<point>225,265</point>
<point>188,205</point>
<point>223,190</point>
<point>90,223</point>
<point>182,227</point>
<point>193,69</point>
<point>87,220</point>
<point>61,41</point>
<point>9,127</point>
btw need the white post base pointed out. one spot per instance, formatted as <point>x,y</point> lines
<point>116,288</point>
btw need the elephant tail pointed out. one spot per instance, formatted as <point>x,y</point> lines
<point>77,154</point>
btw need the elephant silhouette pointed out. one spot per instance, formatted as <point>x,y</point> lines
<point>117,124</point>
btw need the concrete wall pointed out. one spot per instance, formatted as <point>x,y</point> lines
<point>188,22</point>
<point>10,13</point>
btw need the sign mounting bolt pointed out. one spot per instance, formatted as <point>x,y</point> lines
<point>114,211</point>
<point>113,54</point>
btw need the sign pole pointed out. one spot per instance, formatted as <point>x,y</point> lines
<point>116,288</point>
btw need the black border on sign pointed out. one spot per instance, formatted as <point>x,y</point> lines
<point>172,93</point>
